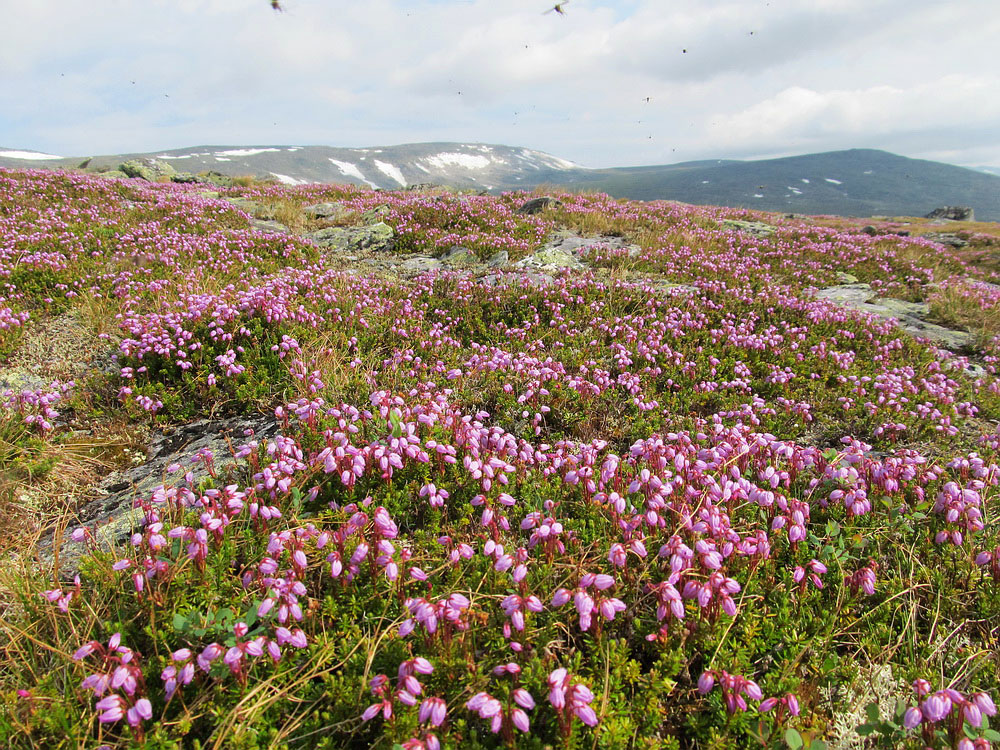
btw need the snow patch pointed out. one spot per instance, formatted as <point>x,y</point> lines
<point>805,180</point>
<point>35,155</point>
<point>794,190</point>
<point>390,170</point>
<point>833,181</point>
<point>468,161</point>
<point>758,195</point>
<point>286,180</point>
<point>245,151</point>
<point>348,169</point>
<point>296,148</point>
<point>704,182</point>
<point>182,156</point>
<point>869,171</point>
<point>222,158</point>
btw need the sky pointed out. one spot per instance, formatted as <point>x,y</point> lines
<point>607,83</point>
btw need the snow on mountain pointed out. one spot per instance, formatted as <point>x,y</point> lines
<point>390,170</point>
<point>32,155</point>
<point>467,161</point>
<point>347,168</point>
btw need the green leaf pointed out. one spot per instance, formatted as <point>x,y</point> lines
<point>871,710</point>
<point>394,420</point>
<point>865,729</point>
<point>817,745</point>
<point>180,622</point>
<point>992,735</point>
<point>793,739</point>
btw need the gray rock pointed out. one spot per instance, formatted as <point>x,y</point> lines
<point>207,194</point>
<point>498,259</point>
<point>421,264</point>
<point>846,278</point>
<point>335,211</point>
<point>374,238</point>
<point>954,213</point>
<point>909,316</point>
<point>246,205</point>
<point>565,250</point>
<point>581,247</point>
<point>869,230</point>
<point>271,227</point>
<point>550,259</point>
<point>150,170</point>
<point>756,228</point>
<point>944,238</point>
<point>186,178</point>
<point>537,205</point>
<point>376,215</point>
<point>113,174</point>
<point>111,510</point>
<point>459,257</point>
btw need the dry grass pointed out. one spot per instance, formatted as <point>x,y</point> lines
<point>285,211</point>
<point>244,181</point>
<point>953,308</point>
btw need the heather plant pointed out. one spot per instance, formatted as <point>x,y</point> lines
<point>600,511</point>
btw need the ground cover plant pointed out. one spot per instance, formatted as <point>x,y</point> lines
<point>669,500</point>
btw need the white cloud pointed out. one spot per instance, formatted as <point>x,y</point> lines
<point>913,76</point>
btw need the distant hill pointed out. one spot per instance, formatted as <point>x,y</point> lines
<point>857,182</point>
<point>479,166</point>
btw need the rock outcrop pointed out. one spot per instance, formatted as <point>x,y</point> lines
<point>909,316</point>
<point>537,205</point>
<point>112,510</point>
<point>150,170</point>
<point>953,213</point>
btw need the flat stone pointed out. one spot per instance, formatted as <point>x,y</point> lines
<point>459,257</point>
<point>376,237</point>
<point>550,258</point>
<point>757,228</point>
<point>112,509</point>
<point>945,238</point>
<point>421,264</point>
<point>273,227</point>
<point>150,170</point>
<point>498,259</point>
<point>908,316</point>
<point>246,205</point>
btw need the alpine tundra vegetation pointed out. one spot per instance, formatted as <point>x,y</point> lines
<point>321,466</point>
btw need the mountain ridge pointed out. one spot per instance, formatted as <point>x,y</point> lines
<point>851,182</point>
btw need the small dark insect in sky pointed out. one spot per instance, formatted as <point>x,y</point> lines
<point>558,8</point>
<point>276,5</point>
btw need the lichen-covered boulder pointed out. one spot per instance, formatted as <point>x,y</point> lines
<point>150,170</point>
